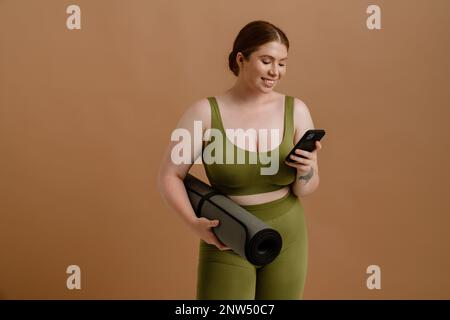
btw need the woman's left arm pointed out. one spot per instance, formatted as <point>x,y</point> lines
<point>307,177</point>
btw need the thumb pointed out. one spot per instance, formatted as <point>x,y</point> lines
<point>214,222</point>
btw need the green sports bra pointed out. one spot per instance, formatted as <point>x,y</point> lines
<point>231,177</point>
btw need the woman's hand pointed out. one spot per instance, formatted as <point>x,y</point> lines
<point>303,165</point>
<point>203,227</point>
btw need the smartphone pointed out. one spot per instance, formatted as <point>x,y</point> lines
<point>307,142</point>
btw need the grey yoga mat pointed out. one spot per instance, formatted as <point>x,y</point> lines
<point>238,229</point>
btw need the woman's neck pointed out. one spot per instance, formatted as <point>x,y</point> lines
<point>243,95</point>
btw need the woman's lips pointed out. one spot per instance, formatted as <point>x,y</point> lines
<point>268,82</point>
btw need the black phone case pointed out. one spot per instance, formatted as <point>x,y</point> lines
<point>307,142</point>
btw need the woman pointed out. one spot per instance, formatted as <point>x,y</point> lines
<point>258,60</point>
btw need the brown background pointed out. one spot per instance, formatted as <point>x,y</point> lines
<point>85,115</point>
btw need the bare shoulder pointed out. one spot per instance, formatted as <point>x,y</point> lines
<point>302,118</point>
<point>300,108</point>
<point>199,110</point>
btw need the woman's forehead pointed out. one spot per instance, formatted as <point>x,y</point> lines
<point>274,50</point>
<point>272,57</point>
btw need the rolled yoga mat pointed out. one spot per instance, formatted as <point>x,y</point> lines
<point>238,229</point>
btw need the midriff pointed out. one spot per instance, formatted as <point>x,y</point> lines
<point>259,198</point>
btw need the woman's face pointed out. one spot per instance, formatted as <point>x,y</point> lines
<point>265,67</point>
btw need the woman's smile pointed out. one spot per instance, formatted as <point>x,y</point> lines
<point>268,82</point>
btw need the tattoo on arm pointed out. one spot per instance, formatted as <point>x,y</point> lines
<point>307,176</point>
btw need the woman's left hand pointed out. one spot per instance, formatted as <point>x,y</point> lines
<point>303,165</point>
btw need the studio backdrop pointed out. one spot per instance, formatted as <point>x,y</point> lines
<point>90,92</point>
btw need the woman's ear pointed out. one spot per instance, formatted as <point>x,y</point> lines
<point>239,56</point>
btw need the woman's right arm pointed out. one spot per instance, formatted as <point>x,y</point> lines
<point>171,175</point>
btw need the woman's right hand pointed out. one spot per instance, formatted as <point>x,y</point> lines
<point>203,227</point>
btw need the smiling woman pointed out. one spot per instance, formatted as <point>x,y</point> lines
<point>267,60</point>
<point>259,61</point>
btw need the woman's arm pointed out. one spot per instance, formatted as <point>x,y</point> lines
<point>307,177</point>
<point>171,174</point>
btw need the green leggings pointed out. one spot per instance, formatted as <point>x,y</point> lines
<point>224,275</point>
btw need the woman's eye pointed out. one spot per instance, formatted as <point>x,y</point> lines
<point>267,62</point>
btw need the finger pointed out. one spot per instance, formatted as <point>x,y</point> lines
<point>304,153</point>
<point>290,164</point>
<point>305,161</point>
<point>298,165</point>
<point>294,164</point>
<point>219,245</point>
<point>214,223</point>
<point>318,145</point>
<point>298,159</point>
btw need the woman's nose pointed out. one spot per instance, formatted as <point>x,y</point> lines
<point>273,71</point>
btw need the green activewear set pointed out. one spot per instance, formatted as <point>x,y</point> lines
<point>225,274</point>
